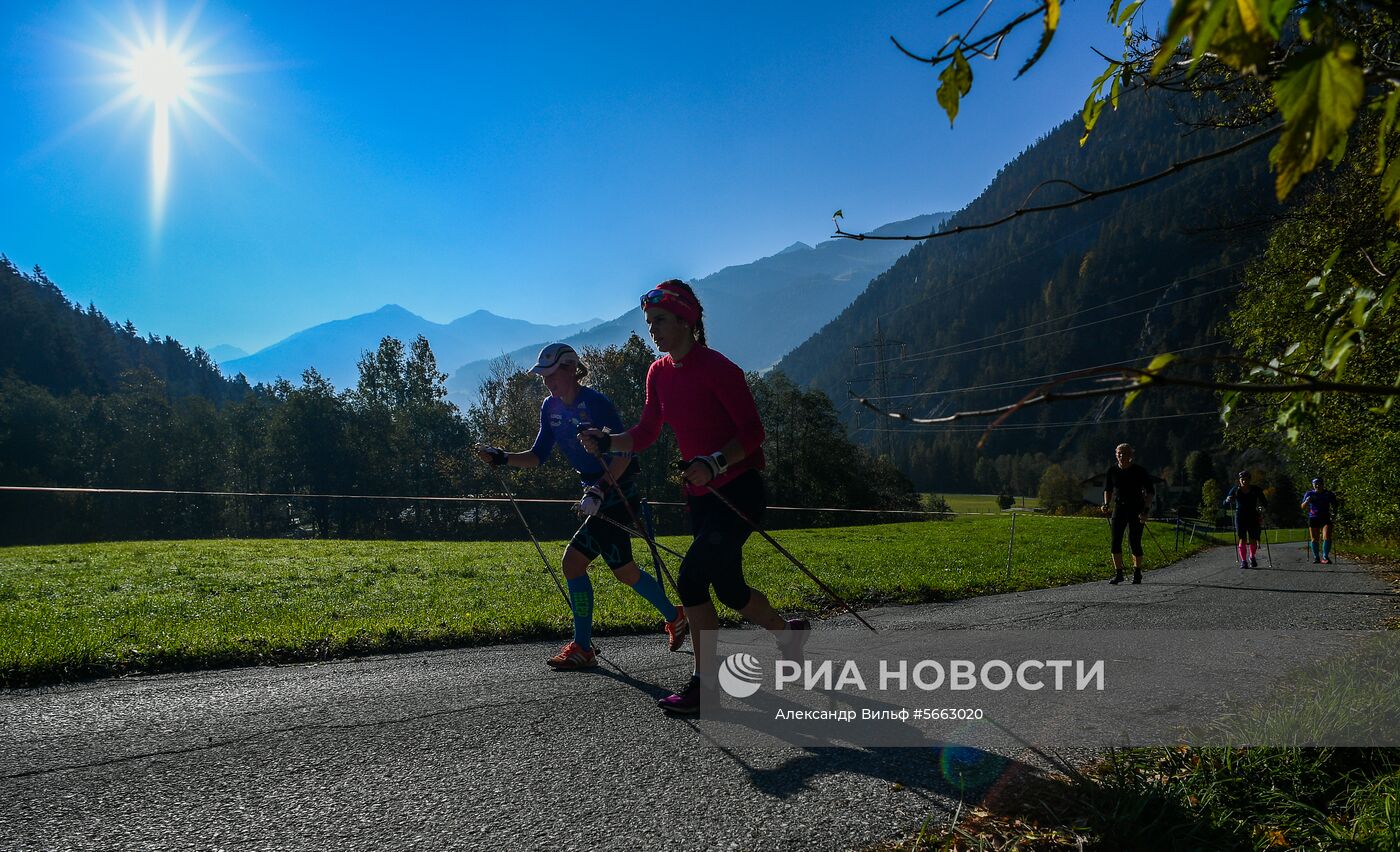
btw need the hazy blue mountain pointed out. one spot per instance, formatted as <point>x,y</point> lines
<point>754,312</point>
<point>226,352</point>
<point>334,348</point>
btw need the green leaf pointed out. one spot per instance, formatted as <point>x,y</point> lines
<point>1159,362</point>
<point>1180,23</point>
<point>1143,381</point>
<point>1120,18</point>
<point>1318,97</point>
<point>1052,21</point>
<point>1251,15</point>
<point>1228,399</point>
<point>1093,105</point>
<point>1390,189</point>
<point>1203,34</point>
<point>955,82</point>
<point>1386,106</point>
<point>1278,14</point>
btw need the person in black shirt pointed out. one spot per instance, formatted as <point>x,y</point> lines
<point>1249,505</point>
<point>1127,492</point>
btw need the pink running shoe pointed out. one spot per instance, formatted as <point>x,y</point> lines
<point>686,702</point>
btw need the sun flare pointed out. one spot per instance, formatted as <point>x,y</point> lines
<point>159,73</point>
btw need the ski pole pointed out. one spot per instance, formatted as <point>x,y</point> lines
<point>1152,535</point>
<point>793,559</point>
<point>547,565</point>
<point>650,529</point>
<point>1268,549</point>
<point>640,535</point>
<point>636,523</point>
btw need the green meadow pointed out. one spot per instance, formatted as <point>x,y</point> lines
<point>88,610</point>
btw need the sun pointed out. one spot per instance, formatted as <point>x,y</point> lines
<point>160,74</point>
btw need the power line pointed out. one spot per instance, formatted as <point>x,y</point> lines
<point>1037,250</point>
<point>943,351</point>
<point>1033,380</point>
<point>882,370</point>
<point>930,429</point>
<point>1090,309</point>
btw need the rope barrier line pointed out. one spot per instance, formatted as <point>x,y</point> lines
<point>474,498</point>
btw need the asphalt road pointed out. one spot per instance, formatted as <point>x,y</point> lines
<point>486,748</point>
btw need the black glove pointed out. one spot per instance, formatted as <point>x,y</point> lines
<point>603,438</point>
<point>498,455</point>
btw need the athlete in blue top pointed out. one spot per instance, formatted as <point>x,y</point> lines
<point>568,407</point>
<point>1321,505</point>
<point>1249,505</point>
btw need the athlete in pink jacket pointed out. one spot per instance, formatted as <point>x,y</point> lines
<point>703,397</point>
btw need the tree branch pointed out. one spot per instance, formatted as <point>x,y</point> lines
<point>1085,196</point>
<point>977,46</point>
<point>1137,379</point>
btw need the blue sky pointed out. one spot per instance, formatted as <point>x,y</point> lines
<point>547,162</point>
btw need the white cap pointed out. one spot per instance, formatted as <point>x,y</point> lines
<point>552,357</point>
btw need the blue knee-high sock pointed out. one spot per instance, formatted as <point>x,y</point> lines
<point>1312,546</point>
<point>1327,548</point>
<point>648,588</point>
<point>581,596</point>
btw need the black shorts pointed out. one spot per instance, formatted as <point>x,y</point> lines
<point>715,557</point>
<point>597,537</point>
<point>1247,528</point>
<point>1318,523</point>
<point>1133,525</point>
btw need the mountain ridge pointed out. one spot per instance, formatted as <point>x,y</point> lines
<point>805,285</point>
<point>333,347</point>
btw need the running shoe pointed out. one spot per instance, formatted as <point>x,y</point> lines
<point>1316,560</point>
<point>1137,578</point>
<point>1326,560</point>
<point>1244,564</point>
<point>676,630</point>
<point>1253,563</point>
<point>1117,578</point>
<point>573,657</point>
<point>686,702</point>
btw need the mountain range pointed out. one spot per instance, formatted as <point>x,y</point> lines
<point>334,348</point>
<point>755,312</point>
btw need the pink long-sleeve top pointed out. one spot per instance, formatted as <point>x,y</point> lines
<point>706,402</point>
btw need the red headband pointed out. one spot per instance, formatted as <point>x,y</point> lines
<point>675,300</point>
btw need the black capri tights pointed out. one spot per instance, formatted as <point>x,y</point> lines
<point>715,557</point>
<point>1133,525</point>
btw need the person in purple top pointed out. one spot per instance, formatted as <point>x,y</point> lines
<point>569,407</point>
<point>1321,505</point>
<point>1249,504</point>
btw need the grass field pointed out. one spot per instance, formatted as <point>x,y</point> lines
<point>986,503</point>
<point>76,611</point>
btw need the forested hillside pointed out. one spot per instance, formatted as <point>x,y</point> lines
<point>47,341</point>
<point>979,319</point>
<point>87,404</point>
